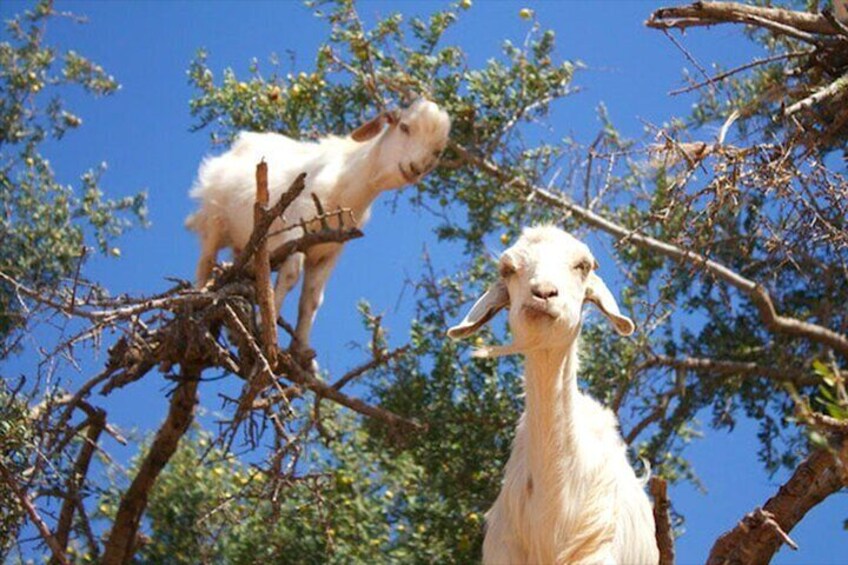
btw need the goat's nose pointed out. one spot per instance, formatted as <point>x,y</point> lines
<point>544,290</point>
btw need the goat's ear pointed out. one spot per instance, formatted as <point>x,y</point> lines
<point>598,294</point>
<point>374,126</point>
<point>494,300</point>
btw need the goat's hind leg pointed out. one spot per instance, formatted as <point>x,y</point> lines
<point>212,240</point>
<point>315,276</point>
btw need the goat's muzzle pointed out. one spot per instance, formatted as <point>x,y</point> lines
<point>539,309</point>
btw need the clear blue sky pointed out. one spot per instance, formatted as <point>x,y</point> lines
<point>143,134</point>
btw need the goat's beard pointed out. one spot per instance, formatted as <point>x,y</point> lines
<point>492,351</point>
<point>532,341</point>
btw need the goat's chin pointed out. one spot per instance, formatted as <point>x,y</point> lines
<point>407,175</point>
<point>544,326</point>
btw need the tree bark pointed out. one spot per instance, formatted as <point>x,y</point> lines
<point>121,544</point>
<point>664,533</point>
<point>761,533</point>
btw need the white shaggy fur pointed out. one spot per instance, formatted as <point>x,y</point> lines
<point>569,494</point>
<point>348,172</point>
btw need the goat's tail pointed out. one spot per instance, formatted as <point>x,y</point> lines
<point>194,222</point>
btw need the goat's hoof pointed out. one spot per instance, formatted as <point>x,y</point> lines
<point>305,356</point>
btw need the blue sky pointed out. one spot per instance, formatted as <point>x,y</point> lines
<point>143,133</point>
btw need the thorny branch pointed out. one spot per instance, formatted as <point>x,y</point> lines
<point>820,77</point>
<point>182,328</point>
<point>758,295</point>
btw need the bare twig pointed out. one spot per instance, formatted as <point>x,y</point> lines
<point>381,358</point>
<point>313,238</point>
<point>741,68</point>
<point>300,376</point>
<point>722,367</point>
<point>260,230</point>
<point>755,291</point>
<point>56,549</point>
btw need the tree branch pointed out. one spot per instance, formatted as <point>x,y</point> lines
<point>837,87</point>
<point>658,488</point>
<point>721,367</point>
<point>711,13</point>
<point>43,530</point>
<point>97,421</point>
<point>121,543</point>
<point>760,534</point>
<point>262,267</point>
<point>260,230</point>
<point>756,293</point>
<point>298,375</point>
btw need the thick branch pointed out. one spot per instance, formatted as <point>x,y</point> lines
<point>732,367</point>
<point>758,295</point>
<point>121,543</point>
<point>836,88</point>
<point>760,534</point>
<point>97,421</point>
<point>710,13</point>
<point>295,373</point>
<point>312,238</point>
<point>664,533</point>
<point>264,294</point>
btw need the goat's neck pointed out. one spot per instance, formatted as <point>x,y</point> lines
<point>363,179</point>
<point>552,425</point>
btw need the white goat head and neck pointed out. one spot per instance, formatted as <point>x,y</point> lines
<point>569,494</point>
<point>390,151</point>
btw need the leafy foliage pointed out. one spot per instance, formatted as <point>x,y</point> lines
<point>354,490</point>
<point>46,225</point>
<point>15,445</point>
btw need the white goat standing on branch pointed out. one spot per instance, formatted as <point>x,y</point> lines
<point>569,494</point>
<point>342,172</point>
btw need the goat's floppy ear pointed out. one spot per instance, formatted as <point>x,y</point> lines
<point>494,300</point>
<point>374,126</point>
<point>598,293</point>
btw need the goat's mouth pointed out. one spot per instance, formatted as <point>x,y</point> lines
<point>412,175</point>
<point>539,311</point>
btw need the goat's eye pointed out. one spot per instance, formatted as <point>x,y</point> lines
<point>404,128</point>
<point>584,267</point>
<point>506,270</point>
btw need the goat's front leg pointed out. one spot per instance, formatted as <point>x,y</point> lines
<point>315,276</point>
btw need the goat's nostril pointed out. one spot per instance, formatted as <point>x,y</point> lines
<point>415,170</point>
<point>544,290</point>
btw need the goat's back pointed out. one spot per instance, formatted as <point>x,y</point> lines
<point>226,184</point>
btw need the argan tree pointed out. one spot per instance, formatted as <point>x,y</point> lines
<point>733,246</point>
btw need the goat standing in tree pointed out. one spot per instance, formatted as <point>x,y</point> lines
<point>569,494</point>
<point>342,172</point>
